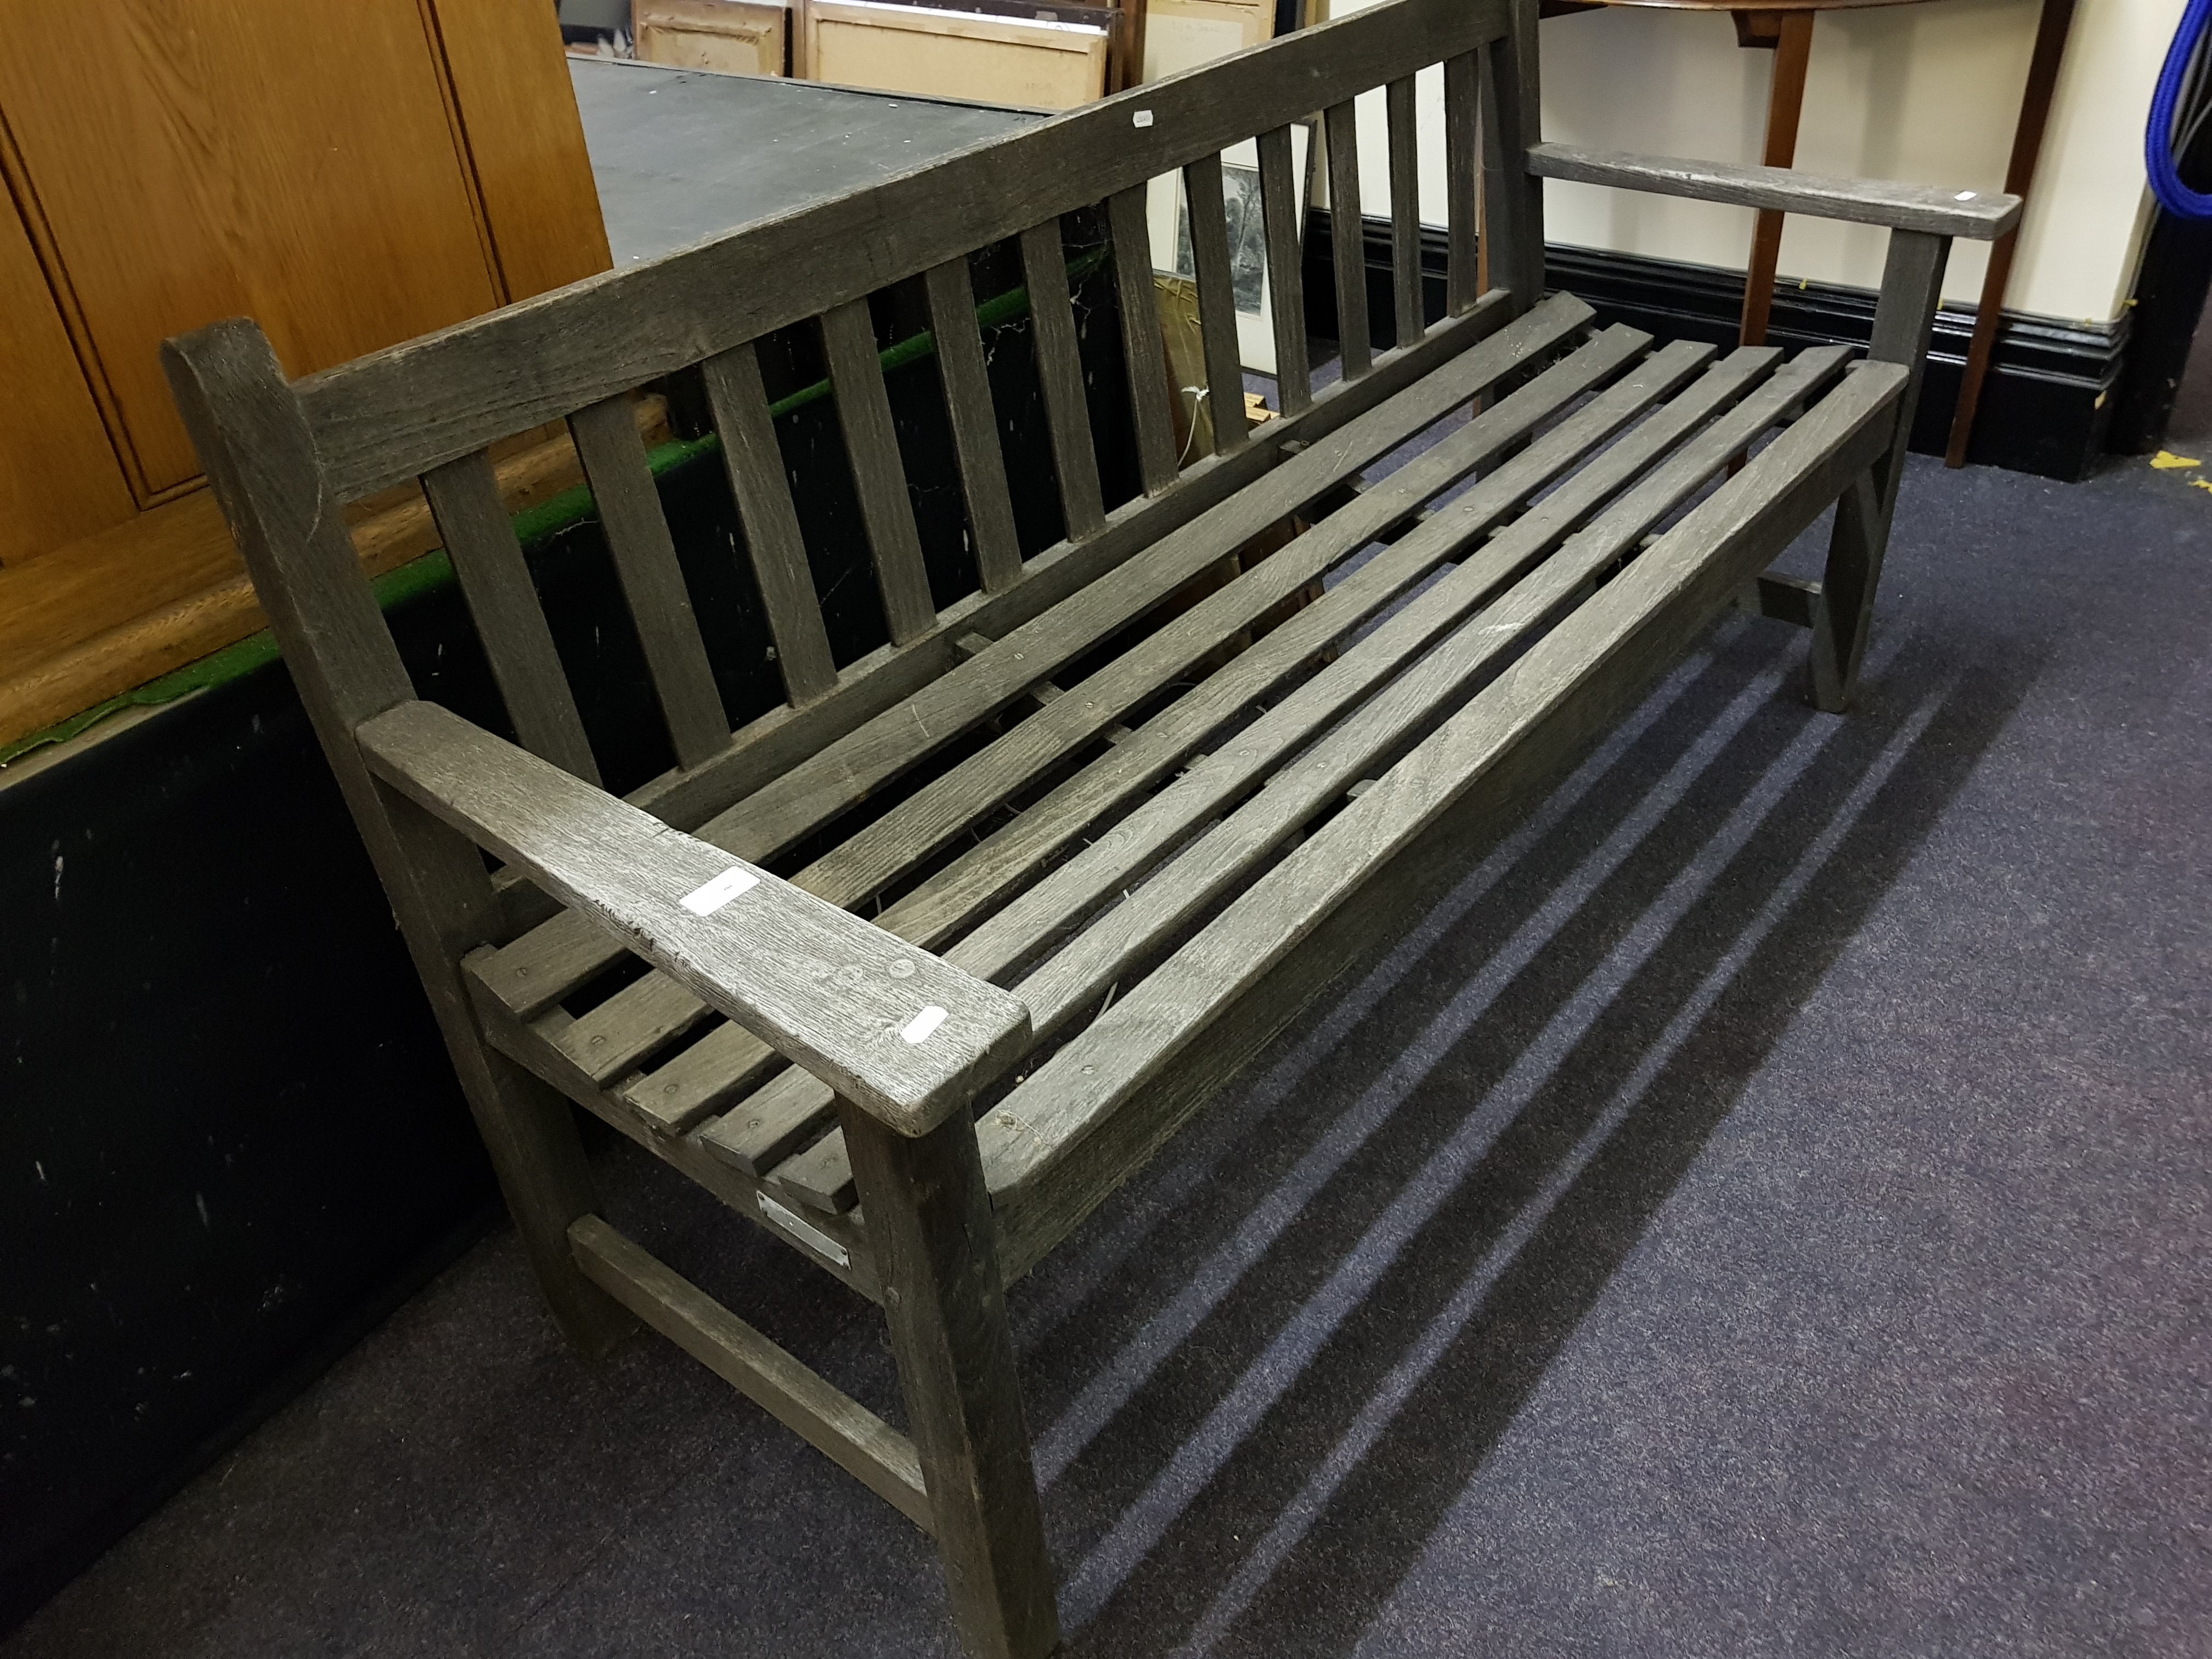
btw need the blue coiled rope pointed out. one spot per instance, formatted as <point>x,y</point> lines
<point>2179,111</point>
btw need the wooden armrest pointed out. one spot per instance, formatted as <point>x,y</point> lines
<point>904,1036</point>
<point>1979,216</point>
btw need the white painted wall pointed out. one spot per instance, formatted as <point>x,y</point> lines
<point>1926,94</point>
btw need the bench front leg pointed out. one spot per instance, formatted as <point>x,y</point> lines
<point>930,1223</point>
<point>1904,324</point>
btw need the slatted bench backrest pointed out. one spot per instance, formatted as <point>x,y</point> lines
<point>429,408</point>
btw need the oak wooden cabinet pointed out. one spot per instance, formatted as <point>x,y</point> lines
<point>350,174</point>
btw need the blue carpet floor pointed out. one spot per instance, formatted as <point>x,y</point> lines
<point>1763,1212</point>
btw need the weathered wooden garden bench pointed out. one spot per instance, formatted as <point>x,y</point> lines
<point>921,1044</point>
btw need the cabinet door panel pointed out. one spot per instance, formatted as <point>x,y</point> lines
<point>60,479</point>
<point>202,159</point>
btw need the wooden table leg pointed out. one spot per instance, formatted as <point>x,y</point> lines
<point>1793,51</point>
<point>2026,147</point>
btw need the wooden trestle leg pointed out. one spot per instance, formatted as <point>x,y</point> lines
<point>929,1219</point>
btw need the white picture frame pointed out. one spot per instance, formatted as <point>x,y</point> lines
<point>1167,224</point>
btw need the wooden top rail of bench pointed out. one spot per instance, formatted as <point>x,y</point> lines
<point>386,417</point>
<point>891,1027</point>
<point>1978,214</point>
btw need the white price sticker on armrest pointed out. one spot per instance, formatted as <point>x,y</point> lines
<point>705,901</point>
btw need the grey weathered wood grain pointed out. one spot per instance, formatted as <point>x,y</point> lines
<point>1672,587</point>
<point>613,454</point>
<point>1116,858</point>
<point>396,414</point>
<point>772,1124</point>
<point>769,1124</point>
<point>1462,116</point>
<point>824,988</point>
<point>554,958</point>
<point>974,423</point>
<point>1404,210</point>
<point>1217,302</point>
<point>820,1176</point>
<point>503,601</point>
<point>1117,949</point>
<point>950,803</point>
<point>1981,216</point>
<point>863,414</point>
<point>1060,377</point>
<point>1287,286</point>
<point>875,734</point>
<point>779,1118</point>
<point>1512,198</point>
<point>810,793</point>
<point>1440,673</point>
<point>929,1220</point>
<point>704,1079</point>
<point>1144,355</point>
<point>786,736</point>
<point>260,460</point>
<point>848,1259</point>
<point>1347,237</point>
<point>1904,324</point>
<point>1332,771</point>
<point>774,545</point>
<point>846,1431</point>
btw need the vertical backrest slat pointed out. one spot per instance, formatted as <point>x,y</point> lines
<point>738,400</point>
<point>1405,213</point>
<point>1347,239</point>
<point>1217,302</point>
<point>502,601</point>
<point>864,411</point>
<point>1143,354</point>
<point>1286,288</point>
<point>613,454</point>
<point>975,424</point>
<point>1513,198</point>
<point>1462,261</point>
<point>1059,373</point>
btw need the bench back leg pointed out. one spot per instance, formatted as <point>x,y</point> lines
<point>1904,323</point>
<point>930,1223</point>
<point>262,463</point>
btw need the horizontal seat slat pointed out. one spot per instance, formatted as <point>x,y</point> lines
<point>1438,675</point>
<point>786,734</point>
<point>1118,857</point>
<point>1580,672</point>
<point>770,1125</point>
<point>554,958</point>
<point>1111,950</point>
<point>948,805</point>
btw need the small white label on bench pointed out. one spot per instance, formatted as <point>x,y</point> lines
<point>923,1025</point>
<point>705,901</point>
<point>1142,117</point>
<point>812,1237</point>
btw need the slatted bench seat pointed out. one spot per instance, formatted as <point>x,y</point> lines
<point>915,969</point>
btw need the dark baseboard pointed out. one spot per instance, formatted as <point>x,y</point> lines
<point>2044,407</point>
